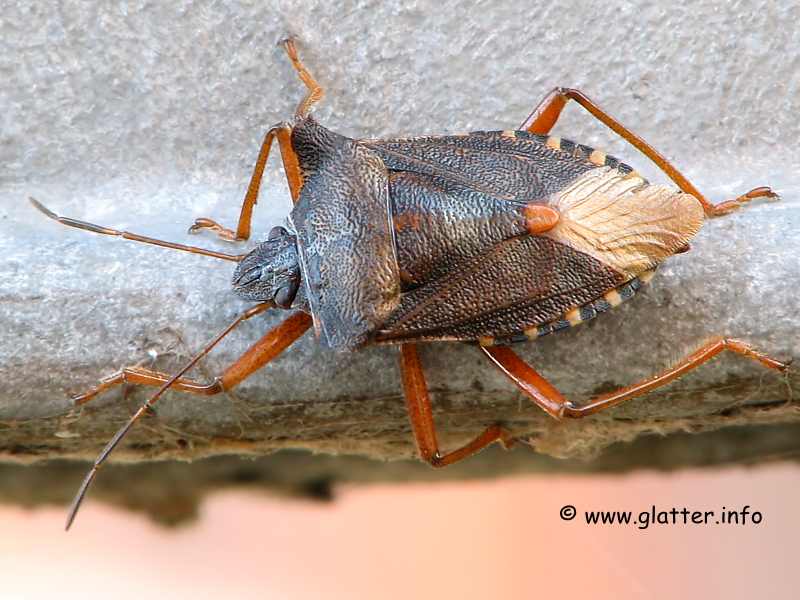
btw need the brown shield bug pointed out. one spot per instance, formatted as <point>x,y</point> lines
<point>490,237</point>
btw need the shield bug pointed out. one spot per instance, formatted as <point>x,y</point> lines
<point>491,237</point>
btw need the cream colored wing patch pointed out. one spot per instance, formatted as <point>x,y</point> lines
<point>623,221</point>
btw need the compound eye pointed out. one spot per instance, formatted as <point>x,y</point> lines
<point>277,232</point>
<point>285,295</point>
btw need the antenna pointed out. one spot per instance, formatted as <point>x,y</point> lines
<point>122,432</point>
<point>131,236</point>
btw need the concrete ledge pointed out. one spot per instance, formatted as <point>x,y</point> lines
<point>147,117</point>
<point>82,306</point>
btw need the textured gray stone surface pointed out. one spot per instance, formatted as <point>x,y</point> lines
<point>146,115</point>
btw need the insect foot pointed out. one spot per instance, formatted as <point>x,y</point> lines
<point>222,232</point>
<point>729,206</point>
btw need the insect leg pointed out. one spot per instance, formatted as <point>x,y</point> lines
<point>315,91</point>
<point>545,115</point>
<point>547,397</point>
<point>418,404</point>
<point>267,348</point>
<point>257,356</point>
<point>122,432</point>
<point>291,166</point>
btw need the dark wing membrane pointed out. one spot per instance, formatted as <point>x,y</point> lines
<point>455,196</point>
<point>516,166</point>
<point>440,224</point>
<point>462,241</point>
<point>518,283</point>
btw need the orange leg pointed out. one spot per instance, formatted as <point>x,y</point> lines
<point>267,348</point>
<point>545,115</point>
<point>419,412</point>
<point>315,92</point>
<point>272,344</point>
<point>548,398</point>
<point>291,167</point>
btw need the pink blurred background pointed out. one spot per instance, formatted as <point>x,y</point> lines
<point>467,540</point>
